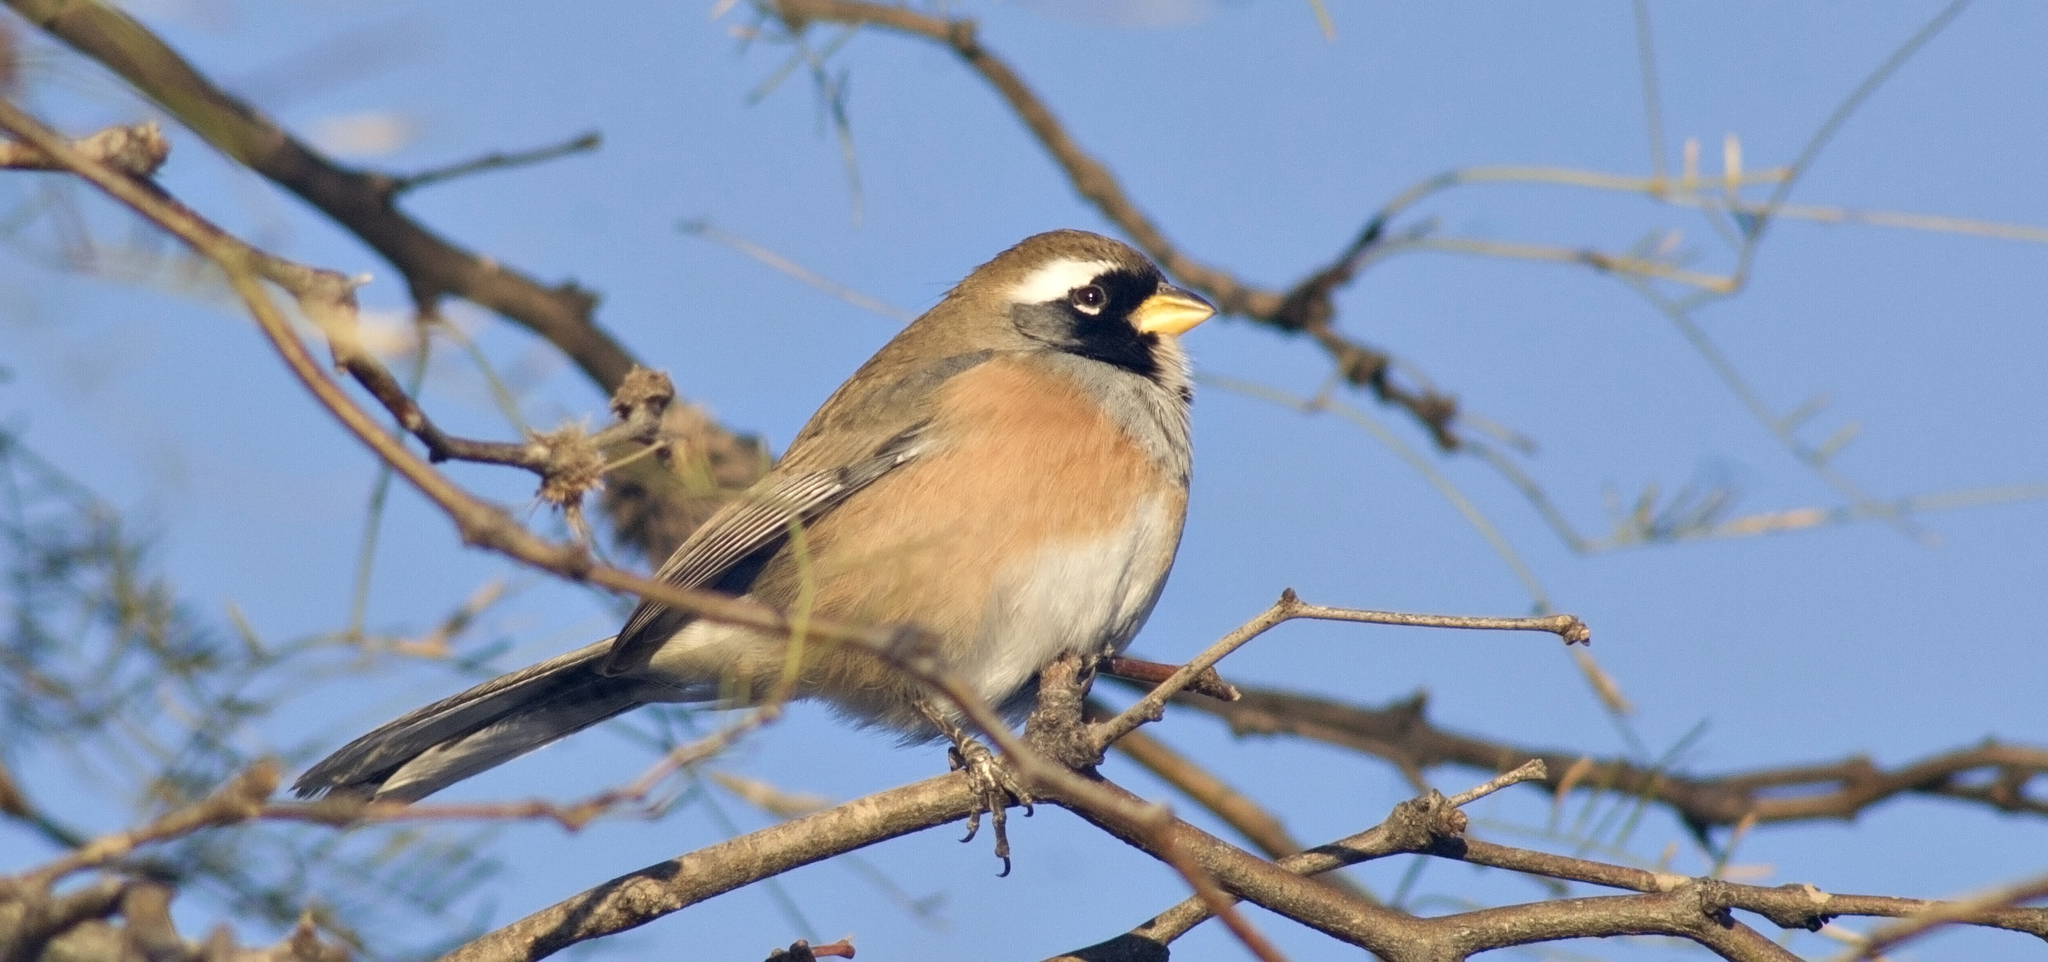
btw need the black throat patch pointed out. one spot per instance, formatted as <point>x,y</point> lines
<point>1107,335</point>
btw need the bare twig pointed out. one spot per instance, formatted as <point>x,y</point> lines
<point>346,810</point>
<point>1531,770</point>
<point>1207,683</point>
<point>237,801</point>
<point>497,161</point>
<point>358,201</point>
<point>653,505</point>
<point>329,299</point>
<point>1994,908</point>
<point>1290,607</point>
<point>1403,734</point>
<point>1305,308</point>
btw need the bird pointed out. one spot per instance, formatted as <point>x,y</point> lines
<point>1009,474</point>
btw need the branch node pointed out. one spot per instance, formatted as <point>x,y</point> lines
<point>641,393</point>
<point>572,464</point>
<point>1807,910</point>
<point>580,301</point>
<point>137,150</point>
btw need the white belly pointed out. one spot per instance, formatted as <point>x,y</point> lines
<point>1082,598</point>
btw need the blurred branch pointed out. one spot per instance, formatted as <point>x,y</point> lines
<point>800,273</point>
<point>37,924</point>
<point>1306,308</point>
<point>1258,826</point>
<point>655,505</point>
<point>496,161</point>
<point>15,804</point>
<point>345,811</point>
<point>359,201</point>
<point>237,801</point>
<point>80,925</point>
<point>329,300</point>
<point>1323,402</point>
<point>136,150</point>
<point>1990,774</point>
<point>1997,903</point>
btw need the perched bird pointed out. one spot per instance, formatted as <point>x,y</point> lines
<point>1009,473</point>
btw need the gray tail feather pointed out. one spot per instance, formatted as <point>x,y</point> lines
<point>434,747</point>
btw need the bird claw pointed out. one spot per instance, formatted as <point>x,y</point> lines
<point>996,785</point>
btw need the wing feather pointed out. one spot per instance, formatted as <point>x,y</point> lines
<point>742,529</point>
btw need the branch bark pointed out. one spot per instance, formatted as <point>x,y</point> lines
<point>655,505</point>
<point>1403,734</point>
<point>638,898</point>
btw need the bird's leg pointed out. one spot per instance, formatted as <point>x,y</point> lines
<point>1056,727</point>
<point>991,779</point>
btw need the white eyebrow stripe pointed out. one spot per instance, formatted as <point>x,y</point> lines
<point>1054,280</point>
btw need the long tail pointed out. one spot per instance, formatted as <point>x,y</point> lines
<point>430,749</point>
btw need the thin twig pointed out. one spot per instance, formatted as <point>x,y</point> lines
<point>1303,308</point>
<point>343,810</point>
<point>497,161</point>
<point>329,299</point>
<point>1290,607</point>
<point>239,800</point>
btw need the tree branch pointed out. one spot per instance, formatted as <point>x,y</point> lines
<point>633,900</point>
<point>1289,607</point>
<point>136,150</point>
<point>1693,908</point>
<point>497,161</point>
<point>359,201</point>
<point>1402,733</point>
<point>654,505</point>
<point>329,300</point>
<point>1305,308</point>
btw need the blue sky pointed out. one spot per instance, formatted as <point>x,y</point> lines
<point>1260,147</point>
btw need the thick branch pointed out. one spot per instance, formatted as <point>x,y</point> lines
<point>633,900</point>
<point>1693,908</point>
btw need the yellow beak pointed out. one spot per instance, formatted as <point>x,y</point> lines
<point>1171,311</point>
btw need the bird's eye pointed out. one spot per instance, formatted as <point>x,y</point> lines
<point>1088,299</point>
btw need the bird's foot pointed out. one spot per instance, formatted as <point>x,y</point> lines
<point>991,779</point>
<point>1057,728</point>
<point>997,785</point>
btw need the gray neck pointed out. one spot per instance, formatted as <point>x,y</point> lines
<point>1152,412</point>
